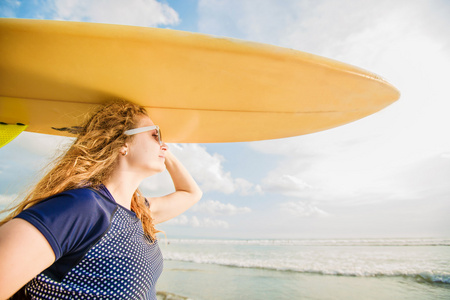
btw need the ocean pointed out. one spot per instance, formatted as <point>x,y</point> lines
<point>201,269</point>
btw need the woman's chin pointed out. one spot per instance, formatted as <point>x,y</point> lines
<point>154,171</point>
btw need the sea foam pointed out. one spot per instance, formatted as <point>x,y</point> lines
<point>425,260</point>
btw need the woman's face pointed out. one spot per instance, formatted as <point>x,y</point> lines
<point>145,154</point>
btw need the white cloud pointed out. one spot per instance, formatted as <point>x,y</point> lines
<point>284,184</point>
<point>133,12</point>
<point>302,209</point>
<point>213,223</point>
<point>245,187</point>
<point>207,169</point>
<point>195,222</point>
<point>218,208</point>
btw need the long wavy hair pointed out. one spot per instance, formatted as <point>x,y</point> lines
<point>91,159</point>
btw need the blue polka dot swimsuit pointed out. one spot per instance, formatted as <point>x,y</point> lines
<point>100,247</point>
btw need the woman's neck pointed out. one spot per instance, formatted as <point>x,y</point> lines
<point>122,187</point>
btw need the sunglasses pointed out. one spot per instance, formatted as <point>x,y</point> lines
<point>144,129</point>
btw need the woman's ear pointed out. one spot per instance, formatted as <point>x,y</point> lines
<point>124,150</point>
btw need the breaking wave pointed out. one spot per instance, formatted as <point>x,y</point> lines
<point>426,276</point>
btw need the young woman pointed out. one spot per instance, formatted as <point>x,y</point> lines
<point>85,231</point>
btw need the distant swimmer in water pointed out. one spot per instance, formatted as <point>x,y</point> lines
<point>85,231</point>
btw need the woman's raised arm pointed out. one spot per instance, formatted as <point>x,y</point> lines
<point>186,194</point>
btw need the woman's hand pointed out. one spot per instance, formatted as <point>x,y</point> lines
<point>186,194</point>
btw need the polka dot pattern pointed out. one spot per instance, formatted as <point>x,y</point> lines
<point>123,264</point>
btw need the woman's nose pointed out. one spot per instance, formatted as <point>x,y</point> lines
<point>164,146</point>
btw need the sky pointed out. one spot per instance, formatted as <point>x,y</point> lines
<point>384,176</point>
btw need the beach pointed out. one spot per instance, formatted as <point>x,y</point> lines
<point>306,269</point>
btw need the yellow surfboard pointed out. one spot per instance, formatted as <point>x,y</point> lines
<point>197,88</point>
